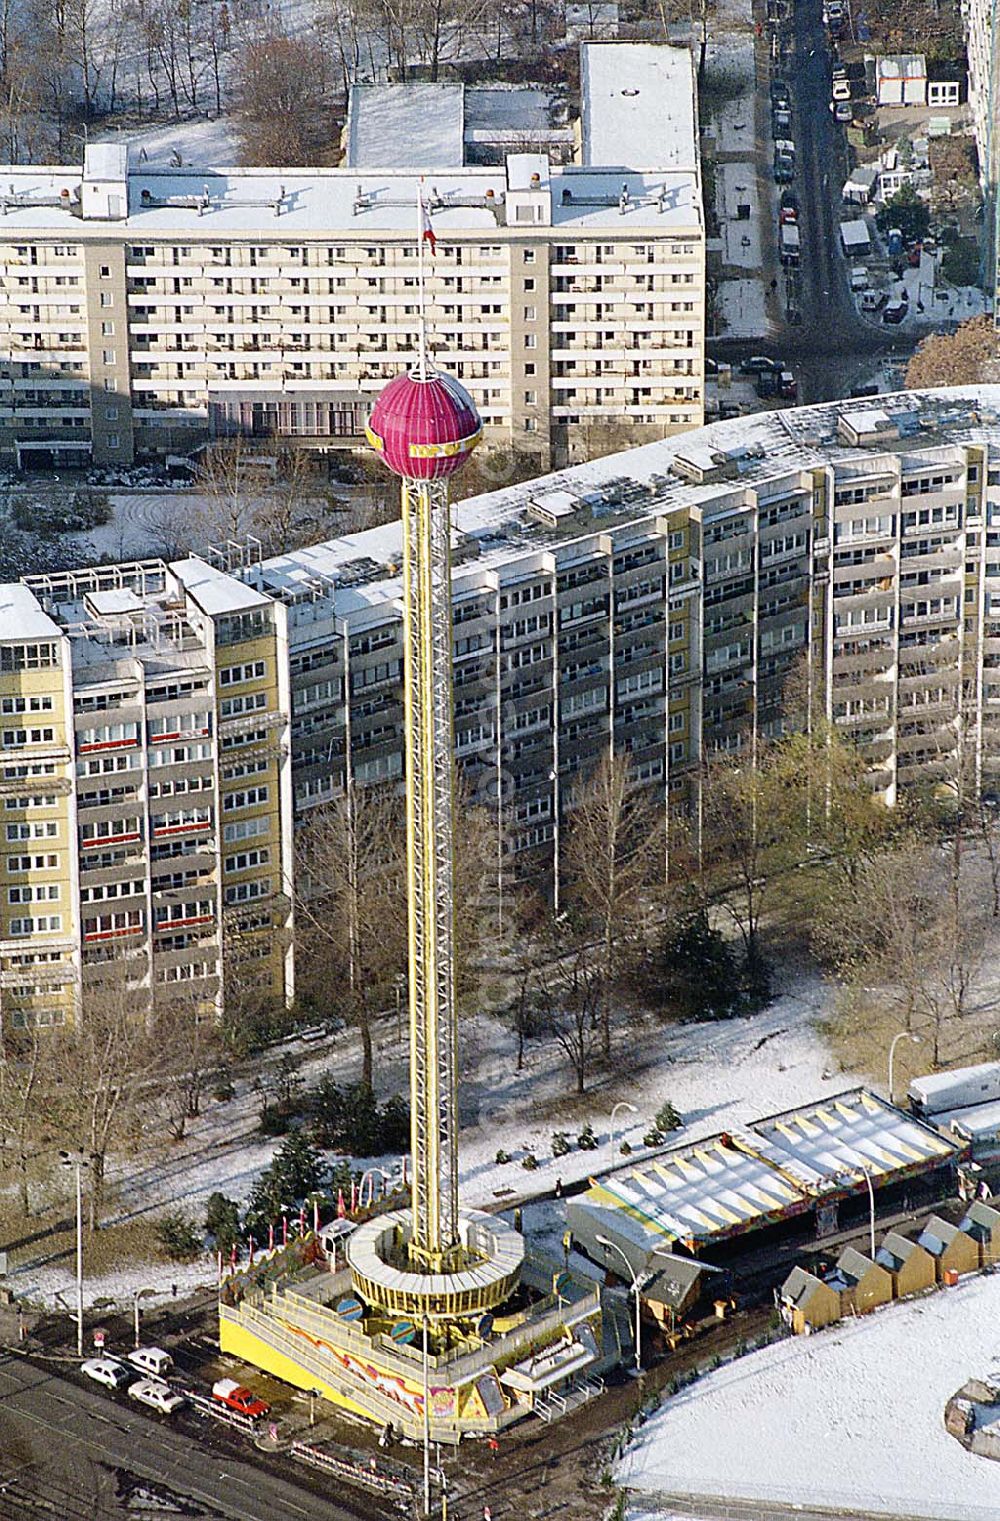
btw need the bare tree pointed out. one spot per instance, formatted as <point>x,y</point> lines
<point>570,991</point>
<point>190,1052</point>
<point>21,1060</point>
<point>100,1074</point>
<point>613,857</point>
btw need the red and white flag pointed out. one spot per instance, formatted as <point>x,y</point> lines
<point>426,226</point>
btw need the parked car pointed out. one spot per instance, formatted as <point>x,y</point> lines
<point>789,200</point>
<point>157,1395</point>
<point>859,278</point>
<point>787,216</point>
<point>781,121</point>
<point>895,311</point>
<point>711,366</point>
<point>237,1397</point>
<point>784,168</point>
<point>859,391</point>
<point>779,91</point>
<point>784,145</point>
<point>759,364</point>
<point>839,71</point>
<point>841,89</point>
<point>788,385</point>
<point>873,300</point>
<point>107,1371</point>
<point>843,111</point>
<point>152,1361</point>
<point>768,384</point>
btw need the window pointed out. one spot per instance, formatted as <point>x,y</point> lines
<point>246,860</point>
<point>109,356</point>
<point>43,924</point>
<point>246,829</point>
<point>529,258</point>
<point>530,341</point>
<point>529,285</point>
<point>46,893</point>
<point>250,702</point>
<point>113,441</point>
<point>26,705</point>
<point>105,271</point>
<point>110,383</point>
<point>27,737</point>
<point>530,398</point>
<point>107,330</point>
<point>32,832</point>
<point>250,797</point>
<point>530,313</point>
<point>253,670</point>
<point>106,298</point>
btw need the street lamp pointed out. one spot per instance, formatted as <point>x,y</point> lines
<point>621,1104</point>
<point>78,1160</point>
<point>903,1035</point>
<point>605,1242</point>
<point>139,1294</point>
<point>871,1204</point>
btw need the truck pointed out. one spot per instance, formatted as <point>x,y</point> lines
<point>791,244</point>
<point>855,238</point>
<point>237,1397</point>
<point>958,1089</point>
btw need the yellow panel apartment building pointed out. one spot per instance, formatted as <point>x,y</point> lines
<point>145,785</point>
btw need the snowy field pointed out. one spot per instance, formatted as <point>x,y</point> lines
<point>718,1075</point>
<point>198,144</point>
<point>852,1416</point>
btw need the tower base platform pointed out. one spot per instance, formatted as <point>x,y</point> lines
<point>294,1319</point>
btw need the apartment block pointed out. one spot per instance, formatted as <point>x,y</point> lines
<point>145,310</point>
<point>653,603</point>
<point>146,792</point>
<point>980,22</point>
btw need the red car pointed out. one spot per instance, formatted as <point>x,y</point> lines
<point>236,1397</point>
<point>788,214</point>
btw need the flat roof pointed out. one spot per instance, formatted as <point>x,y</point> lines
<point>405,126</point>
<point>638,105</point>
<point>214,591</point>
<point>704,470</point>
<point>341,204</point>
<point>22,615</point>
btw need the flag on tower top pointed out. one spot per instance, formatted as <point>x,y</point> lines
<point>426,226</point>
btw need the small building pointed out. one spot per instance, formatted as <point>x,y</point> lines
<point>861,185</point>
<point>673,1291</point>
<point>862,1284</point>
<point>806,1303</point>
<point>909,1265</point>
<point>982,1223</point>
<point>953,1251</point>
<point>901,79</point>
<point>855,238</point>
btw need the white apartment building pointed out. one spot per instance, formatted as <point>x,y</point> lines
<point>145,789</point>
<point>980,25</point>
<point>145,310</point>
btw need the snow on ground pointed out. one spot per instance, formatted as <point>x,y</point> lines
<point>718,1075</point>
<point>851,1416</point>
<point>200,143</point>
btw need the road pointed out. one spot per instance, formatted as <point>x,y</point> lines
<point>72,1453</point>
<point>833,349</point>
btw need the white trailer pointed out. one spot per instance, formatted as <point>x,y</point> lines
<point>791,244</point>
<point>957,1089</point>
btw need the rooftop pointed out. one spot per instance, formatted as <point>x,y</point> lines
<point>704,469</point>
<point>346,204</point>
<point>405,126</point>
<point>638,105</point>
<point>21,616</point>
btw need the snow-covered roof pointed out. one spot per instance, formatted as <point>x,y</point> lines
<point>405,126</point>
<point>22,616</point>
<point>214,591</point>
<point>851,1133</point>
<point>699,470</point>
<point>901,66</point>
<point>638,105</point>
<point>105,161</point>
<point>346,205</point>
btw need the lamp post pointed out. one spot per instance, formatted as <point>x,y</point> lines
<point>612,1246</point>
<point>621,1104</point>
<point>427,1420</point>
<point>903,1035</point>
<point>78,1160</point>
<point>871,1205</point>
<point>137,1295</point>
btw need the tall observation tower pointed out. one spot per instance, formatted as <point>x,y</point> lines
<point>433,1260</point>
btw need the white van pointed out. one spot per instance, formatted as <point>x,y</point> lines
<point>152,1360</point>
<point>859,278</point>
